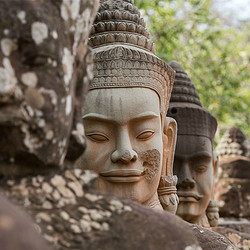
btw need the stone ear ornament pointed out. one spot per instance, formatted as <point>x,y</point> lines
<point>212,213</point>
<point>167,186</point>
<point>167,193</point>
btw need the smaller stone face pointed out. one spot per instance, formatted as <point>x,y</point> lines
<point>233,185</point>
<point>193,164</point>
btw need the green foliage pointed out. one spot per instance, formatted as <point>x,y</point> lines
<point>215,56</point>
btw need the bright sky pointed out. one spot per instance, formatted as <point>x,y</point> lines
<point>240,9</point>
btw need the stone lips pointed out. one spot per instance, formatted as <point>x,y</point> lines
<point>184,89</point>
<point>193,121</point>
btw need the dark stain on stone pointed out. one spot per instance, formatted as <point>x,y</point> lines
<point>151,163</point>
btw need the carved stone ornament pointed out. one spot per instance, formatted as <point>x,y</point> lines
<point>195,163</point>
<point>124,56</point>
<point>130,81</point>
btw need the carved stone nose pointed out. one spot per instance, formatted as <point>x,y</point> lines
<point>124,156</point>
<point>186,183</point>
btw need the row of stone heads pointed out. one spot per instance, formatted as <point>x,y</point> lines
<point>122,130</point>
<point>141,152</point>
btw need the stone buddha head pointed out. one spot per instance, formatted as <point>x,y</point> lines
<point>194,162</point>
<point>44,65</point>
<point>125,110</point>
<point>233,185</point>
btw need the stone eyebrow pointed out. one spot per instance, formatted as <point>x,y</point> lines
<point>195,155</point>
<point>143,116</point>
<point>201,154</point>
<point>95,116</point>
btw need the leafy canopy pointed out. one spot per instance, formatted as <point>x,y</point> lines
<point>215,55</point>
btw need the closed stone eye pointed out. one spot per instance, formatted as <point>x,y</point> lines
<point>97,137</point>
<point>145,135</point>
<point>201,168</point>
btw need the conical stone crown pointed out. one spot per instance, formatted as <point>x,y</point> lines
<point>186,108</point>
<point>183,89</point>
<point>124,56</point>
<point>233,143</point>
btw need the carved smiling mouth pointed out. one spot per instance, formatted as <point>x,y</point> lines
<point>122,175</point>
<point>187,196</point>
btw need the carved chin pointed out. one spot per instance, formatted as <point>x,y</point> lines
<point>151,162</point>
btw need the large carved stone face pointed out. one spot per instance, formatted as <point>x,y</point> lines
<point>38,79</point>
<point>124,141</point>
<point>193,165</point>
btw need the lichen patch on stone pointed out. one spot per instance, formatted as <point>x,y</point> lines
<point>22,16</point>
<point>29,79</point>
<point>70,9</point>
<point>8,79</point>
<point>6,32</point>
<point>8,45</point>
<point>193,247</point>
<point>88,177</point>
<point>67,61</point>
<point>51,93</point>
<point>31,141</point>
<point>68,105</point>
<point>82,26</point>
<point>54,34</point>
<point>92,197</point>
<point>39,32</point>
<point>80,128</point>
